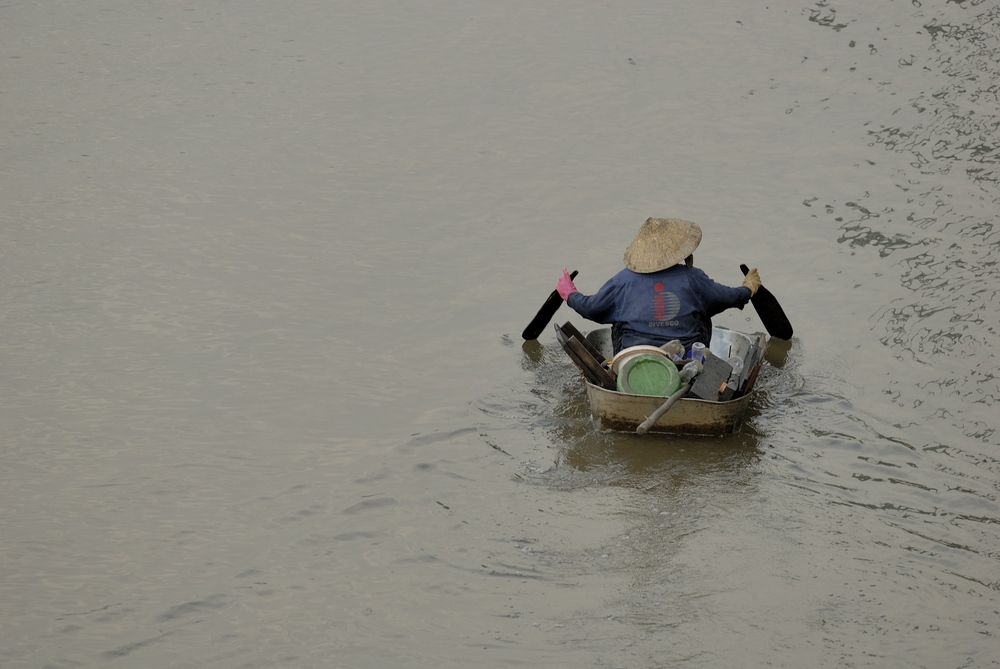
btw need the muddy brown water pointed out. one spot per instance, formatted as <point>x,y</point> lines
<point>264,271</point>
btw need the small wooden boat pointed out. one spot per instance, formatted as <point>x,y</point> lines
<point>614,410</point>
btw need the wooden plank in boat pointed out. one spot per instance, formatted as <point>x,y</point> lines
<point>571,331</point>
<point>585,360</point>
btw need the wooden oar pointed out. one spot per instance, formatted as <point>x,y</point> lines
<point>664,408</point>
<point>544,315</point>
<point>770,312</point>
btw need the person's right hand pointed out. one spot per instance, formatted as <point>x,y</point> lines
<point>752,281</point>
<point>565,286</point>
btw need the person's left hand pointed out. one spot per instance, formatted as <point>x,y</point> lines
<point>752,281</point>
<point>565,286</point>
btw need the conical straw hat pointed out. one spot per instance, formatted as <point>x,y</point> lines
<point>661,243</point>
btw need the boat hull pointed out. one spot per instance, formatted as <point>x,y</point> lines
<point>623,412</point>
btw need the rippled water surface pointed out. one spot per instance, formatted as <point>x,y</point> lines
<point>263,273</point>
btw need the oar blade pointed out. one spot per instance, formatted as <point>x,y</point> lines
<point>770,312</point>
<point>544,315</point>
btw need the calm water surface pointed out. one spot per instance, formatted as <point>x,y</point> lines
<point>263,271</point>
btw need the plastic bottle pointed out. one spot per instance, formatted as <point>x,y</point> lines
<point>674,349</point>
<point>736,362</point>
<point>698,351</point>
<point>690,370</point>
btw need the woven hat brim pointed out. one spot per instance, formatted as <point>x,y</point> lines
<point>662,243</point>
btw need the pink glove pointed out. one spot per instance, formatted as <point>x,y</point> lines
<point>565,286</point>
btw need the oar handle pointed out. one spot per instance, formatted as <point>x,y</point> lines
<point>664,408</point>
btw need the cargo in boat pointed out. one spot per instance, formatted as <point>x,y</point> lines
<point>615,410</point>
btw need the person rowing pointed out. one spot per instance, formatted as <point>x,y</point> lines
<point>660,295</point>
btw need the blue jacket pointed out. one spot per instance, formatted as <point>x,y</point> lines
<point>675,303</point>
